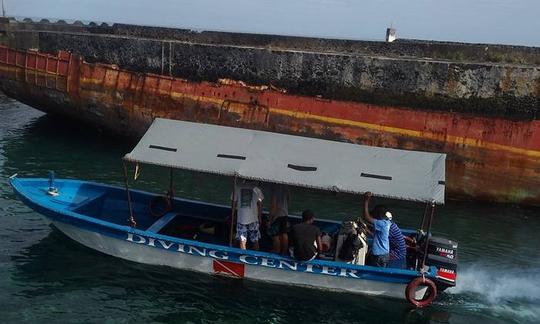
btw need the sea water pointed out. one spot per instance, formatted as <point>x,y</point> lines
<point>46,277</point>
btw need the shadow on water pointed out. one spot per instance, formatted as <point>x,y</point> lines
<point>83,152</point>
<point>52,143</point>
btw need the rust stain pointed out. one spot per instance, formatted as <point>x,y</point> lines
<point>490,159</point>
<point>453,79</point>
<point>506,82</point>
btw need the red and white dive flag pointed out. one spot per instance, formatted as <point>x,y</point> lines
<point>229,268</point>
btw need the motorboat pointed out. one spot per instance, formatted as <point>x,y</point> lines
<point>165,230</point>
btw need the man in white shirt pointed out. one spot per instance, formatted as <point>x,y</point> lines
<point>248,201</point>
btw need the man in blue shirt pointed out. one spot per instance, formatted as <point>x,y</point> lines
<point>380,250</point>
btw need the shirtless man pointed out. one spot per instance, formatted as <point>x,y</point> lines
<point>278,220</point>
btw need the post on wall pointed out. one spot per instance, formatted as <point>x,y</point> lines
<point>391,34</point>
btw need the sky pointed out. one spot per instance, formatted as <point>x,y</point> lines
<point>477,21</point>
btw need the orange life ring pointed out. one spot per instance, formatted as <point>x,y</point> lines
<point>429,295</point>
<point>160,212</point>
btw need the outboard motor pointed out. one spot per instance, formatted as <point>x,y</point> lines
<point>442,253</point>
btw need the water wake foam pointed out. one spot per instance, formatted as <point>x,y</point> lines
<point>499,285</point>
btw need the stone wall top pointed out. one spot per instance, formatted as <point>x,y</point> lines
<point>453,51</point>
<point>435,50</point>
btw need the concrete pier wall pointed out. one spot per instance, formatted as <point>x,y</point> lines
<point>417,74</point>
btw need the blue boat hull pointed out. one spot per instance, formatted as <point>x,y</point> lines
<point>95,215</point>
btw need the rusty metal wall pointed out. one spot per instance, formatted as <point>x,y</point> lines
<point>491,159</point>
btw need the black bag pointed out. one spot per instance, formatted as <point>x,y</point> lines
<point>350,247</point>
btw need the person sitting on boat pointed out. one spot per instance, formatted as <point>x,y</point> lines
<point>278,220</point>
<point>248,202</point>
<point>379,254</point>
<point>306,238</point>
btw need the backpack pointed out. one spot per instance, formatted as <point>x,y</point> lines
<point>350,247</point>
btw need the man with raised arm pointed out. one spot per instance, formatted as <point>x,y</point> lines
<point>379,254</point>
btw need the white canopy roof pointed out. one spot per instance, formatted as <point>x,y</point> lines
<point>293,160</point>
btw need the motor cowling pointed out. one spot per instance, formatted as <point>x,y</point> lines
<point>442,254</point>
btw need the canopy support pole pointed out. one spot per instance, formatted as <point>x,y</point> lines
<point>233,210</point>
<point>428,232</point>
<point>171,192</point>
<point>423,224</point>
<point>131,219</point>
